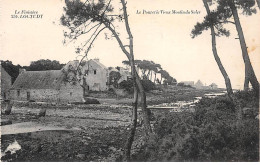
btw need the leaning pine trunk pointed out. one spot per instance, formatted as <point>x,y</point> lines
<point>143,74</point>
<point>223,71</point>
<point>130,56</point>
<point>146,119</point>
<point>145,112</point>
<point>130,140</point>
<point>148,75</point>
<point>251,74</point>
<point>246,82</point>
<point>217,59</point>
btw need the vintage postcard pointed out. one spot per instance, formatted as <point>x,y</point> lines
<point>130,80</point>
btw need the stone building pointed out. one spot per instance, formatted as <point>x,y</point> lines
<point>199,85</point>
<point>6,83</point>
<point>94,75</point>
<point>213,86</point>
<point>48,86</point>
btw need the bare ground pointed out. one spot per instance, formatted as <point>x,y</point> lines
<point>101,133</point>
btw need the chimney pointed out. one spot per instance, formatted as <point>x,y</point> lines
<point>21,70</point>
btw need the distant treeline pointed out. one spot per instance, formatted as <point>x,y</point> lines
<point>149,71</point>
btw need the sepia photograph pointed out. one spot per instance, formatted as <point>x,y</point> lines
<point>129,80</point>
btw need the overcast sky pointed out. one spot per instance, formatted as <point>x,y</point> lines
<point>163,38</point>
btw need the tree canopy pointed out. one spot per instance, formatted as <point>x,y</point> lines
<point>148,67</point>
<point>11,69</point>
<point>44,65</point>
<point>39,65</point>
<point>221,16</point>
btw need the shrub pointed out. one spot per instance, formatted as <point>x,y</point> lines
<point>180,84</point>
<point>128,85</point>
<point>148,85</point>
<point>211,133</point>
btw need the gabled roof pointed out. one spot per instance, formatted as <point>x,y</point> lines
<point>50,79</point>
<point>71,65</point>
<point>4,72</point>
<point>98,63</point>
<point>199,83</point>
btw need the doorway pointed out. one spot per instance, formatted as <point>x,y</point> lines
<point>28,96</point>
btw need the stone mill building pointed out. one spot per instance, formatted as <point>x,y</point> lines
<point>47,86</point>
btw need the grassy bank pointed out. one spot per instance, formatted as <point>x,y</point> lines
<point>211,133</point>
